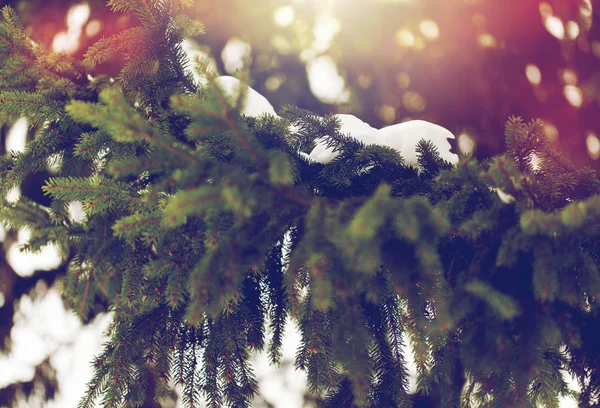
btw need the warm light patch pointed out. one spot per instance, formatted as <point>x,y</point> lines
<point>235,54</point>
<point>572,30</point>
<point>284,16</point>
<point>387,113</point>
<point>545,9</point>
<point>405,38</point>
<point>413,102</point>
<point>533,73</point>
<point>78,15</point>
<point>551,132</point>
<point>569,77</point>
<point>555,27</point>
<point>402,80</point>
<point>274,82</point>
<point>68,41</point>
<point>596,48</point>
<point>486,40</point>
<point>93,28</point>
<point>429,29</point>
<point>585,11</point>
<point>65,42</point>
<point>478,20</point>
<point>281,44</point>
<point>326,27</point>
<point>365,81</point>
<point>325,81</point>
<point>573,95</point>
<point>465,142</point>
<point>593,145</point>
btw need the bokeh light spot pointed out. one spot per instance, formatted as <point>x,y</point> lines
<point>413,102</point>
<point>274,82</point>
<point>235,54</point>
<point>65,41</point>
<point>572,30</point>
<point>281,44</point>
<point>325,81</point>
<point>429,29</point>
<point>486,40</point>
<point>551,132</point>
<point>405,38</point>
<point>364,81</point>
<point>573,95</point>
<point>93,28</point>
<point>68,41</point>
<point>593,145</point>
<point>78,15</point>
<point>596,48</point>
<point>545,9</point>
<point>555,27</point>
<point>533,73</point>
<point>387,113</point>
<point>326,27</point>
<point>479,20</point>
<point>465,143</point>
<point>284,16</point>
<point>403,80</point>
<point>569,77</point>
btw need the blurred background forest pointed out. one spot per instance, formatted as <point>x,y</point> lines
<point>464,64</point>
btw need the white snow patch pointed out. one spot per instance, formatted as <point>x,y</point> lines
<point>404,137</point>
<point>255,104</point>
<point>15,139</point>
<point>26,263</point>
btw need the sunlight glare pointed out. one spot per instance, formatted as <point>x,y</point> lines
<point>325,81</point>
<point>405,38</point>
<point>555,27</point>
<point>284,16</point>
<point>326,27</point>
<point>429,29</point>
